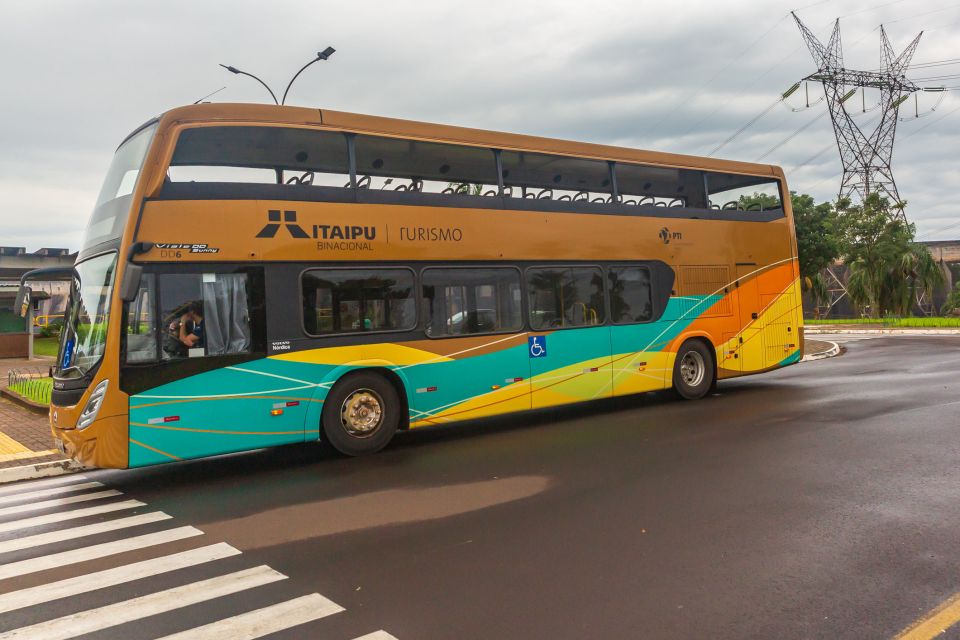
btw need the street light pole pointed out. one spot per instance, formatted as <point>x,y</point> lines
<point>321,55</point>
<point>244,73</point>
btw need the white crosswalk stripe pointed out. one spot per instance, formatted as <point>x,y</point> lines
<point>112,577</point>
<point>55,560</point>
<point>48,623</point>
<point>43,493</point>
<point>256,624</point>
<point>57,502</point>
<point>62,516</point>
<point>40,539</point>
<point>22,487</point>
<point>149,605</point>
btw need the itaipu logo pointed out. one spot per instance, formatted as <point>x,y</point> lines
<point>666,235</point>
<point>273,225</point>
<point>328,236</point>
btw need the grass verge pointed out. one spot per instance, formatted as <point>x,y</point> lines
<point>34,389</point>
<point>940,323</point>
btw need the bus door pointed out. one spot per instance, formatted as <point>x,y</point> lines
<point>569,347</point>
<point>751,348</point>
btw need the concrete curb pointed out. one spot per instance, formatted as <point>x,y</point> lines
<point>39,470</point>
<point>808,331</point>
<point>829,353</point>
<point>16,398</point>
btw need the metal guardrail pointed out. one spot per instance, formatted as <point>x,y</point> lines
<point>32,383</point>
<point>47,319</point>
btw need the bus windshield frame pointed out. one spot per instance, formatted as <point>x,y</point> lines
<point>112,208</point>
<point>84,337</point>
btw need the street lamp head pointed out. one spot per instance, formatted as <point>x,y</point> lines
<point>230,69</point>
<point>326,53</point>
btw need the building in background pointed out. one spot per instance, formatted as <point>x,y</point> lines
<point>49,299</point>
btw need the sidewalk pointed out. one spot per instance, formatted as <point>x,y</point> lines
<point>879,329</point>
<point>24,435</point>
<point>819,349</point>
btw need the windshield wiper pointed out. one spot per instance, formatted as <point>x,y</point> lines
<point>73,368</point>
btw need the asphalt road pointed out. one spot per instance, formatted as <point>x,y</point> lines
<point>820,501</point>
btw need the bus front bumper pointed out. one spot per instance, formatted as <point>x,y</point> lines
<point>103,444</point>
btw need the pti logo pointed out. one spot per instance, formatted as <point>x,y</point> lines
<point>273,225</point>
<point>666,235</point>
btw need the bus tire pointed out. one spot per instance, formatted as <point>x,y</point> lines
<point>360,414</point>
<point>693,370</point>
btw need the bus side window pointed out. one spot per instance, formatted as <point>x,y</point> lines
<point>631,299</point>
<point>562,297</point>
<point>203,315</point>
<point>471,301</point>
<point>358,300</point>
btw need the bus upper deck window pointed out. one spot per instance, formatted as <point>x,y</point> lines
<point>284,155</point>
<point>734,192</point>
<point>546,177</point>
<point>395,164</point>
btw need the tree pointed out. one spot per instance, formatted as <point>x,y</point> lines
<point>887,269</point>
<point>952,304</point>
<point>817,243</point>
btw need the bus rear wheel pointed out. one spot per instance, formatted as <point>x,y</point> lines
<point>360,414</point>
<point>693,370</point>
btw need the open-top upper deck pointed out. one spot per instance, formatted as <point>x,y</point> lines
<point>343,121</point>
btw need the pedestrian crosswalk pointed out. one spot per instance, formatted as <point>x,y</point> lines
<point>32,605</point>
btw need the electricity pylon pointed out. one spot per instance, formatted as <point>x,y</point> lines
<point>865,154</point>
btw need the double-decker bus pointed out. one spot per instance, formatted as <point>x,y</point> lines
<point>258,275</point>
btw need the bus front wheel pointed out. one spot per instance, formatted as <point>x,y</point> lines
<point>360,414</point>
<point>693,371</point>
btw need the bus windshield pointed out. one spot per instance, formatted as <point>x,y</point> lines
<point>85,333</point>
<point>113,204</point>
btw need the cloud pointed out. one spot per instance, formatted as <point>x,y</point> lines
<point>678,77</point>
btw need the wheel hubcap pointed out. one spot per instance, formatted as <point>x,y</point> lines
<point>362,413</point>
<point>692,368</point>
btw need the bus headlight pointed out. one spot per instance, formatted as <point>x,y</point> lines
<point>89,413</point>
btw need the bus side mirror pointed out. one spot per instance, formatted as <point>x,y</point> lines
<point>130,285</point>
<point>22,303</point>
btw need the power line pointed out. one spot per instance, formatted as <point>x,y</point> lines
<point>925,13</point>
<point>746,126</point>
<point>792,136</point>
<point>952,76</point>
<point>940,230</point>
<point>932,122</point>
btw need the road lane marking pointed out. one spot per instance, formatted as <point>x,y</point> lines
<point>377,635</point>
<point>21,487</point>
<point>55,560</point>
<point>61,516</point>
<point>934,622</point>
<point>49,537</point>
<point>69,587</point>
<point>258,623</point>
<point>43,493</point>
<point>57,502</point>
<point>152,604</point>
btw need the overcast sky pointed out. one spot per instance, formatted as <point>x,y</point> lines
<point>674,76</point>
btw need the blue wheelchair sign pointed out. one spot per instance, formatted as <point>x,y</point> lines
<point>537,346</point>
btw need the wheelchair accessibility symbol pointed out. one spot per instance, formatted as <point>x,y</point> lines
<point>537,346</point>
